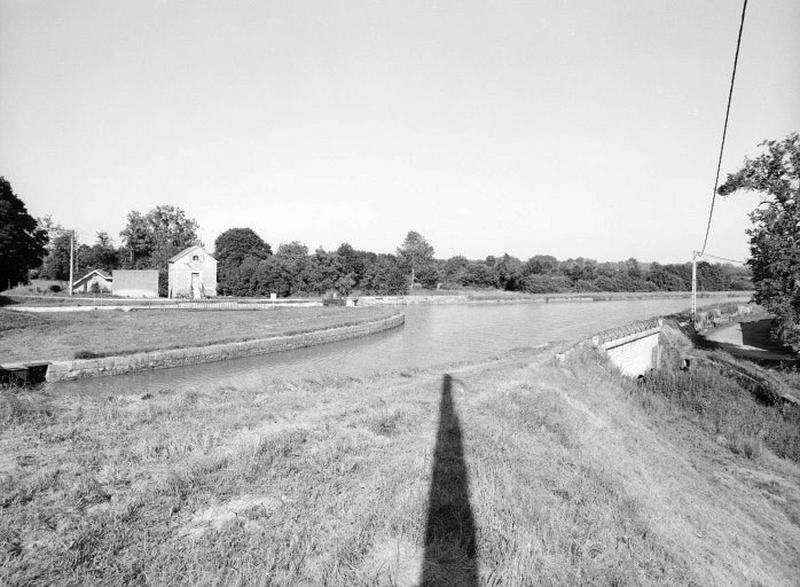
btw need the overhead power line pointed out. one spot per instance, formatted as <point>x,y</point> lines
<point>722,258</point>
<point>724,128</point>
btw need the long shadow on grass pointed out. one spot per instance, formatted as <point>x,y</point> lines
<point>450,542</point>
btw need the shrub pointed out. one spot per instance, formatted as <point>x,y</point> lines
<point>717,402</point>
<point>87,355</point>
<point>55,288</point>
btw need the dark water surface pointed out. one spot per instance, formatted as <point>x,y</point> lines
<point>432,335</point>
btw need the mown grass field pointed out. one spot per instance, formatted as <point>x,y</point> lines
<point>55,336</point>
<point>518,471</point>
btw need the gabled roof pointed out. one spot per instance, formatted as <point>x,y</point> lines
<point>188,250</point>
<point>86,277</point>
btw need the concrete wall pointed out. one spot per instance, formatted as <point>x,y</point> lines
<point>79,368</point>
<point>180,275</point>
<point>140,283</point>
<point>633,348</point>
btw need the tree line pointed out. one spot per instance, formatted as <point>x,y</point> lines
<point>248,266</point>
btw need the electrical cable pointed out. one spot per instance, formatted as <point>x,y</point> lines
<point>721,258</point>
<point>724,128</point>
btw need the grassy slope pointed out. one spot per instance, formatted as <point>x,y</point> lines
<point>58,336</point>
<point>574,477</point>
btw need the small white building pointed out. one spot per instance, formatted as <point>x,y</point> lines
<point>86,284</point>
<point>193,274</point>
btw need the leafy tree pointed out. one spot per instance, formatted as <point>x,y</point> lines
<point>101,255</point>
<point>355,263</point>
<point>233,245</point>
<point>104,254</point>
<point>272,276</point>
<point>231,249</point>
<point>541,264</point>
<point>22,242</point>
<point>323,271</point>
<point>507,271</point>
<point>51,228</point>
<point>454,271</point>
<point>632,268</point>
<point>288,272</point>
<point>541,283</point>
<point>415,255</point>
<point>479,275</point>
<point>775,235</point>
<point>664,279</point>
<point>151,239</point>
<point>386,276</point>
<point>580,269</point>
<point>710,277</point>
<point>56,263</point>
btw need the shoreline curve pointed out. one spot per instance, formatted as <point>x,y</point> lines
<point>181,357</point>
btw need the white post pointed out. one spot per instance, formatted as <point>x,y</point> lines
<point>71,259</point>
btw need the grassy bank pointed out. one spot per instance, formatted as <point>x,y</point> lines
<point>512,472</point>
<point>58,336</point>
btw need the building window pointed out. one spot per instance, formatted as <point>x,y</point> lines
<point>196,258</point>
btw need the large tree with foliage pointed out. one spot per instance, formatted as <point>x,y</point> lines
<point>151,239</point>
<point>415,255</point>
<point>102,255</point>
<point>22,242</point>
<point>775,235</point>
<point>231,249</point>
<point>235,244</point>
<point>56,263</point>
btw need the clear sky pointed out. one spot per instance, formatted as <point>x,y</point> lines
<point>572,128</point>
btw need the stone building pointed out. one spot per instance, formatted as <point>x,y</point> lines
<point>193,274</point>
<point>86,284</point>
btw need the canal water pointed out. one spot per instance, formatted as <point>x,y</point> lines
<point>432,335</point>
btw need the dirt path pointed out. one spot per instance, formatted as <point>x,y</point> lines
<point>750,340</point>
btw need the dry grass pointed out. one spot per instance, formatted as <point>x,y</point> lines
<point>55,336</point>
<point>572,479</point>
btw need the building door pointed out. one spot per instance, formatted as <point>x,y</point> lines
<point>196,294</point>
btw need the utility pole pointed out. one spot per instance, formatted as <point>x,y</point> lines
<point>71,259</point>
<point>694,285</point>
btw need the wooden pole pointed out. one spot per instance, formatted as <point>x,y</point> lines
<point>695,254</point>
<point>71,259</point>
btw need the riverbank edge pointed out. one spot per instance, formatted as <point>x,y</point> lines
<point>181,357</point>
<point>408,300</point>
<point>222,302</point>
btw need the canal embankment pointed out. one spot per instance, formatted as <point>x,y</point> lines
<point>193,355</point>
<point>502,297</point>
<point>563,473</point>
<point>109,343</point>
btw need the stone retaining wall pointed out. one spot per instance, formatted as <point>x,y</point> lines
<point>79,368</point>
<point>205,306</point>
